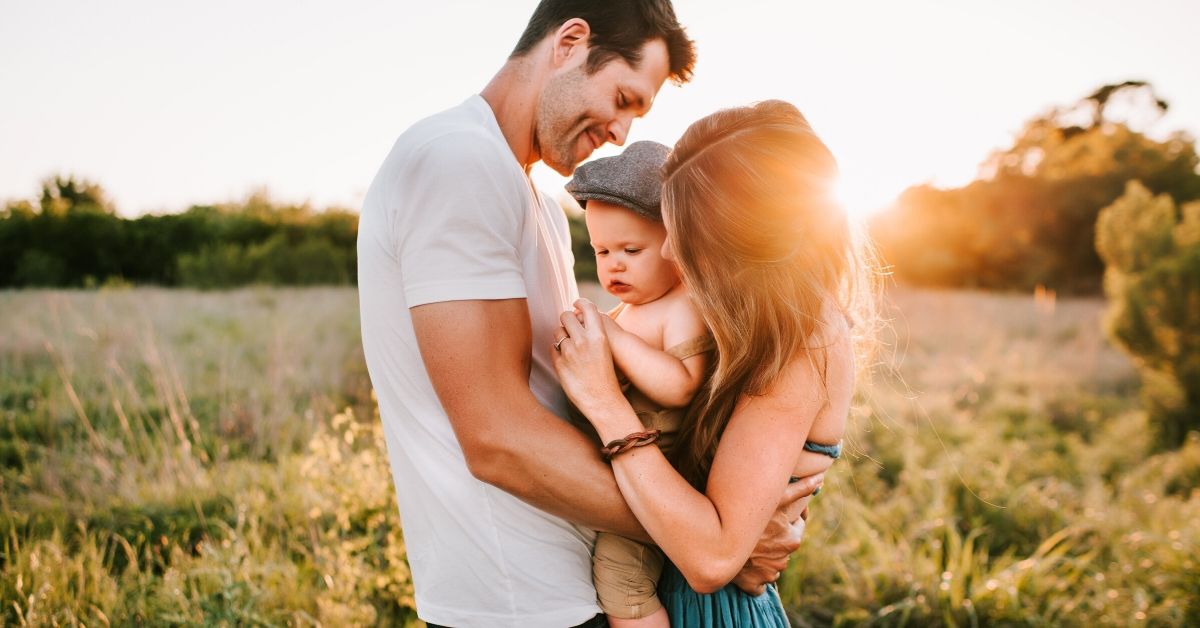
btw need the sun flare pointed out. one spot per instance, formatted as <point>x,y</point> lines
<point>857,199</point>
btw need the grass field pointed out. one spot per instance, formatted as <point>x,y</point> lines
<point>185,458</point>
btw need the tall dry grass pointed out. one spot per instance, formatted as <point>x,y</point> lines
<point>187,458</point>
<point>1000,473</point>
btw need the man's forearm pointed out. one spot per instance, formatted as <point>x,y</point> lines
<point>551,465</point>
<point>478,355</point>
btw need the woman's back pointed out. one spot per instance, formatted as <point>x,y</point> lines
<point>835,354</point>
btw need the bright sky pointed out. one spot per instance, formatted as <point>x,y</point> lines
<point>167,104</point>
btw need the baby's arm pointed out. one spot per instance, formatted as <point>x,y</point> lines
<point>665,379</point>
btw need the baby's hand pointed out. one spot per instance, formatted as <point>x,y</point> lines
<point>609,323</point>
<point>611,327</point>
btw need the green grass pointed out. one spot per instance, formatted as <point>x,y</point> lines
<point>186,458</point>
<point>201,458</point>
<point>1001,474</point>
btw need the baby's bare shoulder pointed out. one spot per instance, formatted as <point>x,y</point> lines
<point>682,319</point>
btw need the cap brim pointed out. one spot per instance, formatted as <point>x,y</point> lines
<point>583,197</point>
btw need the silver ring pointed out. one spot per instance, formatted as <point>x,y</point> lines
<point>560,341</point>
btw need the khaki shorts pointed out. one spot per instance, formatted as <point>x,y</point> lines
<point>626,575</point>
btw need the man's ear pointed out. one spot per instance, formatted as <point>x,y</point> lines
<point>570,41</point>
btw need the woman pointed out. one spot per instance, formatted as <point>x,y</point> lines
<point>774,270</point>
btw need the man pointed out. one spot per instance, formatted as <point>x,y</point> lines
<point>464,268</point>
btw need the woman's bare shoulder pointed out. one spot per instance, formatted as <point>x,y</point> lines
<point>822,374</point>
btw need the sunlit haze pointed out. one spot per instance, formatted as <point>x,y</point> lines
<point>171,104</point>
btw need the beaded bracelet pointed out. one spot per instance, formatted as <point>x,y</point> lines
<point>622,445</point>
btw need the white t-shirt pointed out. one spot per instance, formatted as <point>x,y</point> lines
<point>451,215</point>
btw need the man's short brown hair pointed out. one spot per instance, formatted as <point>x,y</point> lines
<point>620,28</point>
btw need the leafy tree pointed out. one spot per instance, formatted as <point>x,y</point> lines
<point>1030,218</point>
<point>1152,252</point>
<point>54,243</point>
<point>15,226</point>
<point>63,195</point>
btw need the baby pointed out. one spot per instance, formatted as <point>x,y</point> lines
<point>657,338</point>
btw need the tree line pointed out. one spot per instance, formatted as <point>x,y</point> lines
<point>72,236</point>
<point>1028,220</point>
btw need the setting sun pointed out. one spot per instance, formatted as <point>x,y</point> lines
<point>859,200</point>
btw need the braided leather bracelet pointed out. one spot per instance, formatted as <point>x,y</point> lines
<point>622,445</point>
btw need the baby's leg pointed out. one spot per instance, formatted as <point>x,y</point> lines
<point>626,574</point>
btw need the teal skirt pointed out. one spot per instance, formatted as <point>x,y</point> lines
<point>727,608</point>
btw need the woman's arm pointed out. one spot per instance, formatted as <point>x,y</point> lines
<point>708,536</point>
<point>664,378</point>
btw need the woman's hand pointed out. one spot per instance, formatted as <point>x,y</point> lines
<point>780,539</point>
<point>584,362</point>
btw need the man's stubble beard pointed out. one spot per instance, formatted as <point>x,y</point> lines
<point>558,126</point>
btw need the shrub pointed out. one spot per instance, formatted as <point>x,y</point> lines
<point>312,261</point>
<point>38,268</point>
<point>1152,252</point>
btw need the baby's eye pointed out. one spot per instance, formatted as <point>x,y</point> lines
<point>632,251</point>
<point>601,253</point>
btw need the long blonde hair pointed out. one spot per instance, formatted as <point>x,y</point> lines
<point>763,248</point>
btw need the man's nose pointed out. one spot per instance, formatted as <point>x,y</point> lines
<point>618,130</point>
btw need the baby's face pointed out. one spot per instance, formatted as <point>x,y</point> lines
<point>628,250</point>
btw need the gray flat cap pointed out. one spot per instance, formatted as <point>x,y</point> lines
<point>631,179</point>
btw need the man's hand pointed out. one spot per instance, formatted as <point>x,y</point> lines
<point>781,537</point>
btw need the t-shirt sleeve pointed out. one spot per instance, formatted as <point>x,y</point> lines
<point>461,235</point>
